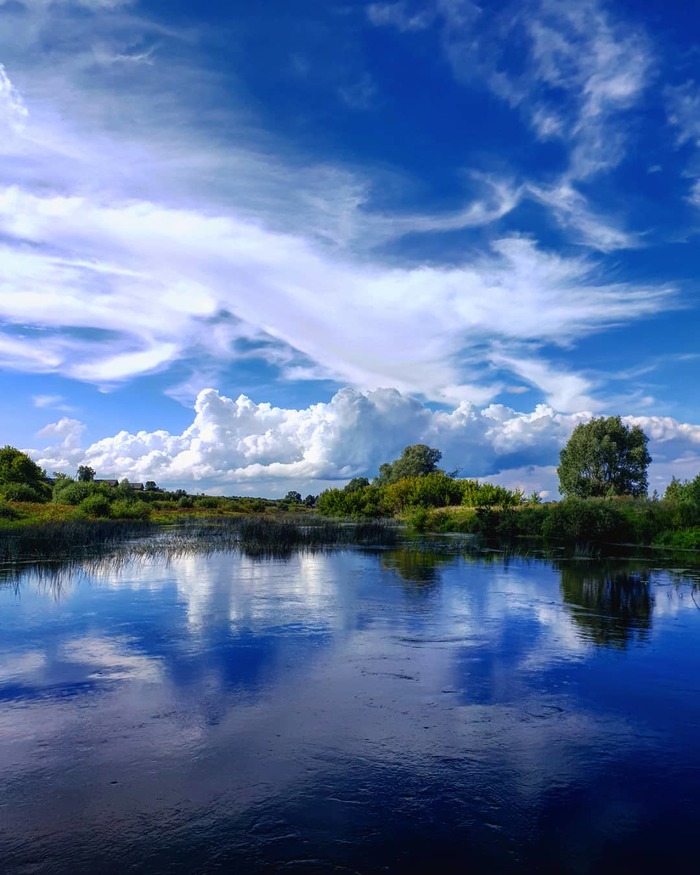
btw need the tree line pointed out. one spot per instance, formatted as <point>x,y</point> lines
<point>602,477</point>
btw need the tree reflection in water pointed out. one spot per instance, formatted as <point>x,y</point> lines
<point>418,566</point>
<point>612,606</point>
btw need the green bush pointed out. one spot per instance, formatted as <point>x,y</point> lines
<point>580,521</point>
<point>123,509</point>
<point>684,539</point>
<point>208,502</point>
<point>418,519</point>
<point>185,501</point>
<point>95,505</point>
<point>21,492</point>
<point>7,512</point>
<point>71,492</point>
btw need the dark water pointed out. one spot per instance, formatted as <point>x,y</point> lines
<point>350,712</point>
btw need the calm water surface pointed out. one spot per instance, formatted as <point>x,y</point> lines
<point>350,712</point>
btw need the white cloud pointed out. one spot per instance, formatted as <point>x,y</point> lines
<point>161,284</point>
<point>94,5</point>
<point>571,210</point>
<point>580,72</point>
<point>684,111</point>
<point>57,402</point>
<point>13,112</point>
<point>132,241</point>
<point>397,15</point>
<point>694,196</point>
<point>239,445</point>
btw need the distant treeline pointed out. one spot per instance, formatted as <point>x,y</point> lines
<point>436,502</point>
<point>437,489</point>
<point>24,484</point>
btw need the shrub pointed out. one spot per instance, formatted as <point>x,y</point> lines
<point>95,505</point>
<point>418,519</point>
<point>685,539</point>
<point>123,509</point>
<point>185,501</point>
<point>7,512</point>
<point>209,502</point>
<point>585,521</point>
<point>71,492</point>
<point>22,492</point>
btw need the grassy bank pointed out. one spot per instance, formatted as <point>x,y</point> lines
<point>572,521</point>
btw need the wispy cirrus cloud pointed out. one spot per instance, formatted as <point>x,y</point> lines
<point>133,239</point>
<point>160,284</point>
<point>51,402</point>
<point>579,72</point>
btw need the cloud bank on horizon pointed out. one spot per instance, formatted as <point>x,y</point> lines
<point>467,204</point>
<point>254,446</point>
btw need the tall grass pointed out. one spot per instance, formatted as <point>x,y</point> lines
<point>81,543</point>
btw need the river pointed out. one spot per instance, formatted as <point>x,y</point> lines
<point>350,711</point>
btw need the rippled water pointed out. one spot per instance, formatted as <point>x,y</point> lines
<point>392,711</point>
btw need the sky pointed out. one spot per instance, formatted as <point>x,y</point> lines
<point>248,248</point>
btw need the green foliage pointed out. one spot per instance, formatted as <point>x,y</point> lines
<point>7,512</point>
<point>415,461</point>
<point>475,494</point>
<point>603,458</point>
<point>95,505</point>
<point>684,501</point>
<point>123,509</point>
<point>185,501</point>
<point>18,470</point>
<point>366,501</point>
<point>22,492</point>
<point>356,484</point>
<point>69,491</point>
<point>431,490</point>
<point>17,467</point>
<point>86,474</point>
<point>683,539</point>
<point>579,521</point>
<point>418,519</point>
<point>208,502</point>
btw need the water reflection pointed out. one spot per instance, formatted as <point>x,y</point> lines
<point>419,566</point>
<point>223,713</point>
<point>611,607</point>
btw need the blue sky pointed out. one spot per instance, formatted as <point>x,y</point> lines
<point>469,225</point>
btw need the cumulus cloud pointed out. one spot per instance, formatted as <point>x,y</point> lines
<point>241,445</point>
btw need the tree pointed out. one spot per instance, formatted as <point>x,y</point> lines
<point>86,474</point>
<point>356,484</point>
<point>415,461</point>
<point>604,457</point>
<point>293,497</point>
<point>18,470</point>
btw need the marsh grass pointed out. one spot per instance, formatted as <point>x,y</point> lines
<point>77,545</point>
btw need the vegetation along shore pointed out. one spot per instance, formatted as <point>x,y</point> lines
<point>602,476</point>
